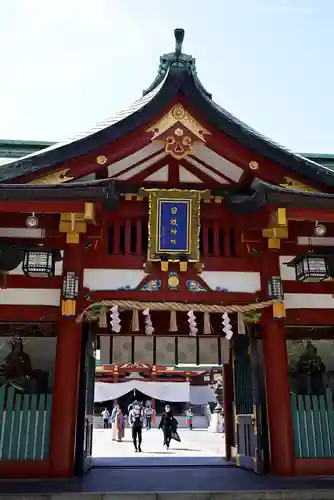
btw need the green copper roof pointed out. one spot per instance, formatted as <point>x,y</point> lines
<point>15,149</point>
<point>326,160</point>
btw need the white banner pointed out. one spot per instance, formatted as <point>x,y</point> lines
<point>166,391</point>
<point>201,395</point>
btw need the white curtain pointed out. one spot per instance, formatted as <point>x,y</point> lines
<point>201,395</point>
<point>166,391</point>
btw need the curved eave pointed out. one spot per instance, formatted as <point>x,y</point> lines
<point>176,80</point>
<point>95,190</point>
<point>99,190</point>
<point>265,194</point>
<point>245,135</point>
<point>111,130</point>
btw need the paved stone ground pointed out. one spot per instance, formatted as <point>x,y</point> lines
<point>194,444</point>
<point>168,481</point>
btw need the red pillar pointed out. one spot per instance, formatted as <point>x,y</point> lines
<point>278,398</point>
<point>65,395</point>
<point>228,409</point>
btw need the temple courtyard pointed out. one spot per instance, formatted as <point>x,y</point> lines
<point>197,445</point>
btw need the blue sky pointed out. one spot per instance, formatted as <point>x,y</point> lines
<point>71,63</point>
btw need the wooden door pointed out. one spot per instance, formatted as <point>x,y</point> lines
<point>83,458</point>
<point>251,431</point>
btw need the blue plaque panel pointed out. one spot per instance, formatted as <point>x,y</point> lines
<point>174,226</point>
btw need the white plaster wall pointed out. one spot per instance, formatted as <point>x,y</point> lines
<point>308,301</point>
<point>22,232</point>
<point>317,241</point>
<point>287,273</point>
<point>112,279</point>
<point>30,296</point>
<point>248,282</point>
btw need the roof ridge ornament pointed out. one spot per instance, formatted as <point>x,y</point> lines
<point>179,37</point>
<point>176,61</point>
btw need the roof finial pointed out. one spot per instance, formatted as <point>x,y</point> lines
<point>179,36</point>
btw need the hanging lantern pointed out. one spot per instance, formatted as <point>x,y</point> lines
<point>275,288</point>
<point>275,292</point>
<point>39,263</point>
<point>70,291</point>
<point>310,268</point>
<point>68,308</point>
<point>70,286</point>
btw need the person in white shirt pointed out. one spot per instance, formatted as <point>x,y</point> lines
<point>148,417</point>
<point>105,415</point>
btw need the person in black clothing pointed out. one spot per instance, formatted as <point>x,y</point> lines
<point>167,424</point>
<point>136,418</point>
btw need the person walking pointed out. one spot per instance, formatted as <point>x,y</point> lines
<point>119,424</point>
<point>105,415</point>
<point>148,417</point>
<point>113,423</point>
<point>136,418</point>
<point>168,425</point>
<point>190,416</point>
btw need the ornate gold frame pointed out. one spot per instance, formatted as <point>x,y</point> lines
<point>194,199</point>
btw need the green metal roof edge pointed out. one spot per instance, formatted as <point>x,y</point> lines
<point>13,142</point>
<point>318,155</point>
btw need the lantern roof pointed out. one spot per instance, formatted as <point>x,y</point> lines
<point>176,75</point>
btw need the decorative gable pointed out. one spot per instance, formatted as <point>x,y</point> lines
<point>178,131</point>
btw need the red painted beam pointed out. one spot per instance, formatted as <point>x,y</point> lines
<point>164,296</point>
<point>101,260</point>
<point>309,317</point>
<point>301,288</point>
<point>53,240</point>
<point>96,259</point>
<point>23,314</point>
<point>18,220</point>
<point>25,469</point>
<point>314,466</point>
<point>22,281</point>
<point>309,214</point>
<point>44,207</point>
<point>135,209</point>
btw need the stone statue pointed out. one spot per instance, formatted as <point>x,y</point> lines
<point>18,372</point>
<point>216,422</point>
<point>219,393</point>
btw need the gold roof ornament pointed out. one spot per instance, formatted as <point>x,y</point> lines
<point>253,165</point>
<point>178,130</point>
<point>101,160</point>
<point>297,186</point>
<point>58,177</point>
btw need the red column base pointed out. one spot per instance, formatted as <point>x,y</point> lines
<point>278,399</point>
